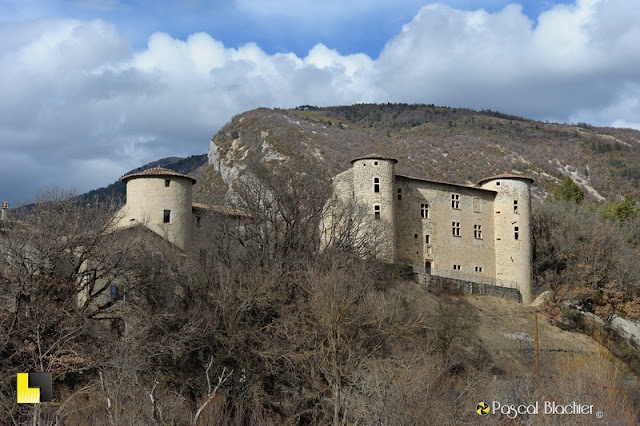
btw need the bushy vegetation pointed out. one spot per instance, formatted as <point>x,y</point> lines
<point>588,256</point>
<point>276,317</point>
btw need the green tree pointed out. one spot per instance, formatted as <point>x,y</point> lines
<point>569,191</point>
<point>625,209</point>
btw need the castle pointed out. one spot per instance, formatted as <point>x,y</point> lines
<point>161,200</point>
<point>473,233</point>
<point>476,233</point>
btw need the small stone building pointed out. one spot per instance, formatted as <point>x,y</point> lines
<point>478,233</point>
<point>161,200</point>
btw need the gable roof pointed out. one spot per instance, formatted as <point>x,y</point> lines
<point>156,171</point>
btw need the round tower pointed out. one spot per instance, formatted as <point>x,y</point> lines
<point>374,186</point>
<point>512,228</point>
<point>161,200</point>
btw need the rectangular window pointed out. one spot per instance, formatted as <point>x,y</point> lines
<point>424,211</point>
<point>516,232</point>
<point>477,205</point>
<point>167,182</point>
<point>375,163</point>
<point>399,194</point>
<point>376,212</point>
<point>478,269</point>
<point>427,239</point>
<point>167,216</point>
<point>515,207</point>
<point>198,219</point>
<point>477,232</point>
<point>455,201</point>
<point>376,185</point>
<point>455,226</point>
<point>415,236</point>
<point>457,267</point>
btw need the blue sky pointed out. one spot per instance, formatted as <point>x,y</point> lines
<point>93,88</point>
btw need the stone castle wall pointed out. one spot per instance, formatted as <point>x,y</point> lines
<point>447,229</point>
<point>467,249</point>
<point>147,199</point>
<point>439,285</point>
<point>512,218</point>
<point>367,176</point>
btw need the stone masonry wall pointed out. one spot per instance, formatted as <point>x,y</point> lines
<point>441,285</point>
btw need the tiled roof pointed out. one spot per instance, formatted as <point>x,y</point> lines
<point>475,188</point>
<point>374,157</point>
<point>156,171</point>
<point>505,176</point>
<point>218,209</point>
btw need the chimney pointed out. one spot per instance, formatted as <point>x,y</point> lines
<point>5,207</point>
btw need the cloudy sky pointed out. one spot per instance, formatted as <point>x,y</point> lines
<point>90,89</point>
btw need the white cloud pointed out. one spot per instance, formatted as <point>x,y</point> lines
<point>78,99</point>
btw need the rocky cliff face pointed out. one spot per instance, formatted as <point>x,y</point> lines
<point>455,145</point>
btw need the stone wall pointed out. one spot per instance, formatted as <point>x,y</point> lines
<point>472,253</point>
<point>443,285</point>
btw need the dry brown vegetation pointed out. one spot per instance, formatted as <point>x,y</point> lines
<point>262,324</point>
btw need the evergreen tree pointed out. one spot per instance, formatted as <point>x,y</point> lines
<point>569,191</point>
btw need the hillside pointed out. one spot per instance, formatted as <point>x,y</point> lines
<point>440,143</point>
<point>181,165</point>
<point>260,322</point>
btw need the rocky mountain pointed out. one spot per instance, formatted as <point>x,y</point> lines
<point>440,143</point>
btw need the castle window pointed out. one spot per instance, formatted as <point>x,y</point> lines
<point>424,211</point>
<point>455,201</point>
<point>516,232</point>
<point>415,236</point>
<point>198,219</point>
<point>375,163</point>
<point>477,205</point>
<point>399,194</point>
<point>497,183</point>
<point>167,216</point>
<point>376,212</point>
<point>515,207</point>
<point>457,267</point>
<point>477,232</point>
<point>427,239</point>
<point>455,226</point>
<point>478,268</point>
<point>376,185</point>
<point>167,182</point>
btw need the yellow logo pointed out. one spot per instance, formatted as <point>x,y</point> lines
<point>482,408</point>
<point>33,388</point>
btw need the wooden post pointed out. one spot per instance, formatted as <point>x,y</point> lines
<point>535,340</point>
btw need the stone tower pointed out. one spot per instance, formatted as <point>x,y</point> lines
<point>512,227</point>
<point>374,186</point>
<point>160,199</point>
